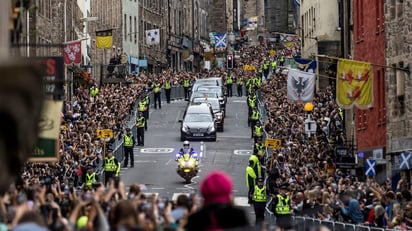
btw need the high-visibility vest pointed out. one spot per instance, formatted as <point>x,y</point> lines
<point>341,113</point>
<point>94,91</point>
<point>109,164</point>
<point>146,100</point>
<point>186,83</point>
<point>90,179</point>
<point>252,102</point>
<point>229,80</point>
<point>283,207</point>
<point>168,85</point>
<point>239,81</point>
<point>255,115</point>
<point>249,82</point>
<point>265,66</point>
<point>258,129</point>
<point>142,106</point>
<point>282,58</point>
<point>256,166</point>
<point>260,149</point>
<point>259,194</point>
<point>128,141</point>
<point>250,172</point>
<point>274,65</point>
<point>140,122</point>
<point>156,88</point>
<point>258,82</point>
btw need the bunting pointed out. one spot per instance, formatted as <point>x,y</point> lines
<point>104,39</point>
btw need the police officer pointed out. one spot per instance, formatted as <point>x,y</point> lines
<point>257,130</point>
<point>282,208</point>
<point>128,144</point>
<point>281,60</point>
<point>229,84</point>
<point>186,86</point>
<point>254,118</point>
<point>251,102</point>
<point>146,100</point>
<point>142,108</point>
<point>259,148</point>
<point>140,127</point>
<point>266,69</point>
<point>250,180</point>
<point>273,64</point>
<point>90,177</point>
<point>259,201</point>
<point>94,90</point>
<point>111,166</point>
<point>239,83</point>
<point>256,165</point>
<point>157,90</point>
<point>168,89</point>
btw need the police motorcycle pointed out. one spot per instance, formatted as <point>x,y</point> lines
<point>187,162</point>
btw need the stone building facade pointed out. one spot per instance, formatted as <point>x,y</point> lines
<point>398,32</point>
<point>217,16</point>
<point>369,46</point>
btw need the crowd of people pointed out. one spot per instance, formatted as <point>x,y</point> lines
<point>47,196</point>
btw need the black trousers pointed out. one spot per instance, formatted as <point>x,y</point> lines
<point>187,93</point>
<point>140,136</point>
<point>168,95</point>
<point>259,211</point>
<point>284,221</point>
<point>108,176</point>
<point>128,152</point>
<point>229,90</point>
<point>146,116</point>
<point>240,90</point>
<point>157,100</point>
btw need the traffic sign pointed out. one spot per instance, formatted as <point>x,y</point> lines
<point>370,167</point>
<point>104,133</point>
<point>273,143</point>
<point>405,161</point>
<point>249,68</point>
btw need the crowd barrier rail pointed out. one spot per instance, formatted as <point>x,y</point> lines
<point>176,93</point>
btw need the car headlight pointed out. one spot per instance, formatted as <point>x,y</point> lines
<point>211,129</point>
<point>185,129</point>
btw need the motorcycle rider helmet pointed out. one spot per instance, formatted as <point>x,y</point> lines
<point>186,144</point>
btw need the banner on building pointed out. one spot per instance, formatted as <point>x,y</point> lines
<point>104,39</point>
<point>301,85</point>
<point>252,22</point>
<point>153,37</point>
<point>47,148</point>
<point>308,65</point>
<point>354,84</point>
<point>72,52</point>
<point>220,41</point>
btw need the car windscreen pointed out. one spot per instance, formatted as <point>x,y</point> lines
<point>216,90</point>
<point>198,94</point>
<point>195,117</point>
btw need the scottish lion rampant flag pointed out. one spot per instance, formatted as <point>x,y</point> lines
<point>301,85</point>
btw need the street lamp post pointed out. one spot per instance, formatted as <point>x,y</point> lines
<point>310,125</point>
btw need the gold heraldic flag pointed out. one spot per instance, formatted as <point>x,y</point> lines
<point>104,39</point>
<point>354,85</point>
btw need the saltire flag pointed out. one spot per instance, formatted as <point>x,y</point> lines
<point>220,41</point>
<point>354,84</point>
<point>104,39</point>
<point>153,37</point>
<point>308,65</point>
<point>253,22</point>
<point>72,52</point>
<point>300,86</point>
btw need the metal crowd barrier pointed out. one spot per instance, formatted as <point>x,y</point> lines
<point>306,223</point>
<point>176,93</point>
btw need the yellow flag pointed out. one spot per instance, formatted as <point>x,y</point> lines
<point>354,85</point>
<point>104,39</point>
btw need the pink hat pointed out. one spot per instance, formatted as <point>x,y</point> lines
<point>216,188</point>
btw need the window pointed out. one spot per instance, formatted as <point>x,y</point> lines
<point>362,120</point>
<point>399,8</point>
<point>135,30</point>
<point>400,88</point>
<point>359,23</point>
<point>381,97</point>
<point>125,26</point>
<point>130,28</point>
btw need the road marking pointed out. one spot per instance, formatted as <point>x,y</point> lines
<point>191,183</point>
<point>177,119</point>
<point>241,201</point>
<point>158,188</point>
<point>168,162</point>
<point>239,137</point>
<point>239,101</point>
<point>150,194</point>
<point>157,150</point>
<point>145,161</point>
<point>176,195</point>
<point>242,152</point>
<point>202,149</point>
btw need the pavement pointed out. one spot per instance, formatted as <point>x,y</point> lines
<point>154,164</point>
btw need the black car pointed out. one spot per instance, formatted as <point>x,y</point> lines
<point>198,123</point>
<point>218,112</point>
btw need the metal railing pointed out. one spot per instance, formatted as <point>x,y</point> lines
<point>176,93</point>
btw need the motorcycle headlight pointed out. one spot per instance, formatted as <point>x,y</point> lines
<point>190,164</point>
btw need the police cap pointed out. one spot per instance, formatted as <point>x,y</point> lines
<point>284,187</point>
<point>260,179</point>
<point>128,129</point>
